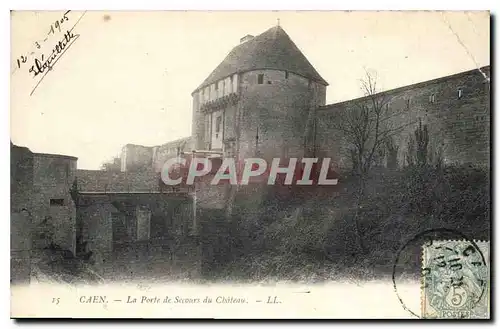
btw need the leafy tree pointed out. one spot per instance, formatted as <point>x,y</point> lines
<point>418,147</point>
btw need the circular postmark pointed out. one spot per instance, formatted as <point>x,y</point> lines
<point>452,270</point>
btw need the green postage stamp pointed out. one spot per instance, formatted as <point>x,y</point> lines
<point>455,280</point>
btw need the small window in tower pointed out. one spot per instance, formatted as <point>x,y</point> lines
<point>260,79</point>
<point>286,74</point>
<point>57,202</point>
<point>460,93</point>
<point>408,103</point>
<point>216,86</point>
<point>432,98</point>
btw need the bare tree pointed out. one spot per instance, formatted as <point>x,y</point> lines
<point>368,130</point>
<point>367,126</point>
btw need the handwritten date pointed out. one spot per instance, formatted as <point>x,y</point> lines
<point>41,64</point>
<point>55,27</point>
<point>57,24</point>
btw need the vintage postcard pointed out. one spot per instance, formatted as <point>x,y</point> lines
<point>270,165</point>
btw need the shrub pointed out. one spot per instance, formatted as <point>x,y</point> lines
<point>317,235</point>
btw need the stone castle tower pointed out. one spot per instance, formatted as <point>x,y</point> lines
<point>266,100</point>
<point>257,100</point>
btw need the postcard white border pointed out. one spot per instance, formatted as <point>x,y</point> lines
<point>182,5</point>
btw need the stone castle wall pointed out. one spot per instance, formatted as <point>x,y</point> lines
<point>21,187</point>
<point>276,113</point>
<point>53,208</point>
<point>107,181</point>
<point>170,150</point>
<point>136,157</point>
<point>459,125</point>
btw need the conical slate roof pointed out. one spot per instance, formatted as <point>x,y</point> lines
<point>272,49</point>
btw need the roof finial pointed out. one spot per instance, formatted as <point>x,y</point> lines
<point>278,21</point>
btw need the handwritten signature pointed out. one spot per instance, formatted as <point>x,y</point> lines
<point>43,67</point>
<point>42,64</point>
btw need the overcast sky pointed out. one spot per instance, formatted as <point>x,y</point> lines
<point>128,77</point>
